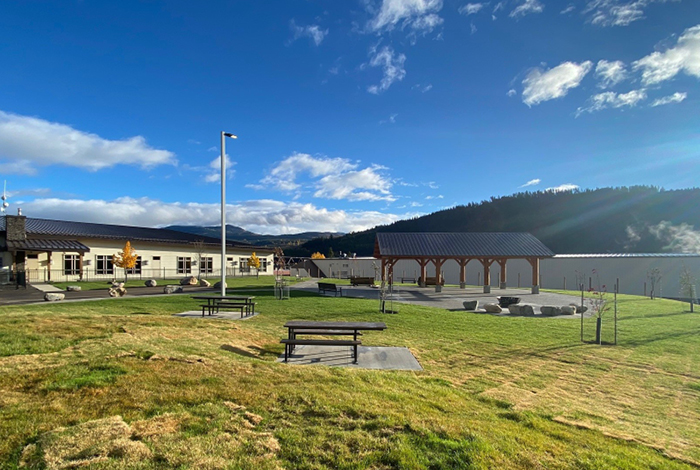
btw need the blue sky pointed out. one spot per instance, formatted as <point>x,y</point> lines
<point>349,113</point>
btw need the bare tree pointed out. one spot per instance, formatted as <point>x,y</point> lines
<point>198,247</point>
<point>654,276</point>
<point>688,286</point>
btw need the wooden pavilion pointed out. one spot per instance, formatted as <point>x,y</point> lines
<point>484,247</point>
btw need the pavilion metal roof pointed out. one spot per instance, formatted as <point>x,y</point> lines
<point>460,245</point>
<point>46,245</point>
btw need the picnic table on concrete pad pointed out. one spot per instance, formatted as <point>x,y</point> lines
<point>216,302</point>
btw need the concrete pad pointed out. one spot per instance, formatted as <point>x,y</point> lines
<point>220,315</point>
<point>47,287</point>
<point>368,357</point>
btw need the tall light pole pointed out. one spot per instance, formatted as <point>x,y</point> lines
<point>223,208</point>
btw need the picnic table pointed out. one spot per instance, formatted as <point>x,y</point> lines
<point>326,328</point>
<point>214,303</point>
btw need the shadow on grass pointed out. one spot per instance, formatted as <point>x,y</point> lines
<point>261,352</point>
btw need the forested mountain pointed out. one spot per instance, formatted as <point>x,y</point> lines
<point>239,234</point>
<point>638,219</point>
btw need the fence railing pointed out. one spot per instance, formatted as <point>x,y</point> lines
<point>90,274</point>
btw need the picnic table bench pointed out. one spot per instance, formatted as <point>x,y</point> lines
<point>412,280</point>
<point>433,281</point>
<point>361,281</point>
<point>217,302</point>
<point>324,287</point>
<point>321,328</point>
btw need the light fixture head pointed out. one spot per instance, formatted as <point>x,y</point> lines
<point>228,134</point>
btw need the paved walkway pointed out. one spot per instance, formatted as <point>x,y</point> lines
<point>451,298</point>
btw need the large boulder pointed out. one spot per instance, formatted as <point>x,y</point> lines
<point>550,311</point>
<point>492,308</point>
<point>73,288</point>
<point>471,304</point>
<point>204,283</point>
<point>54,296</point>
<point>527,310</point>
<point>172,289</point>
<point>579,308</point>
<point>515,309</point>
<point>117,292</point>
<point>189,281</point>
<point>151,283</point>
<point>117,285</point>
<point>217,285</point>
<point>568,310</point>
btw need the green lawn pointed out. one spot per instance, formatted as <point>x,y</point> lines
<point>143,389</point>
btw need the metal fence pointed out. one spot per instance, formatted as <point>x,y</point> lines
<point>62,275</point>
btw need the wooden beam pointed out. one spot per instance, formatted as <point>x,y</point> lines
<point>502,263</point>
<point>486,262</point>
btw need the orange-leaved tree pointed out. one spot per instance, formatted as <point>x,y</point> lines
<point>254,262</point>
<point>125,259</point>
<point>318,255</point>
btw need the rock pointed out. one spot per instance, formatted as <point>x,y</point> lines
<point>189,281</point>
<point>172,289</point>
<point>151,283</point>
<point>54,296</point>
<point>73,288</point>
<point>204,283</point>
<point>550,311</point>
<point>117,292</point>
<point>471,304</point>
<point>492,308</point>
<point>527,310</point>
<point>514,309</point>
<point>579,308</point>
<point>218,285</point>
<point>568,310</point>
<point>117,285</point>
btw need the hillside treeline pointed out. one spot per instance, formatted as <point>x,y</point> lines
<point>637,219</point>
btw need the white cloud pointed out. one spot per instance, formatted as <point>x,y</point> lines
<point>312,31</point>
<point>439,196</point>
<point>617,12</point>
<point>330,178</point>
<point>610,99</point>
<point>213,171</point>
<point>423,89</point>
<point>472,28</point>
<point>391,120</point>
<point>541,86</point>
<point>28,142</point>
<point>526,8</point>
<point>610,73</point>
<point>534,182</point>
<point>419,15</point>
<point>684,57</point>
<point>563,187</point>
<point>471,8</point>
<point>511,92</point>
<point>567,10</point>
<point>674,98</point>
<point>261,216</point>
<point>392,66</point>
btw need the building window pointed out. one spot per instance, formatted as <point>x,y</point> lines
<point>263,264</point>
<point>243,265</point>
<point>155,258</point>
<point>32,256</point>
<point>103,264</point>
<point>71,265</point>
<point>184,265</point>
<point>137,267</point>
<point>206,266</point>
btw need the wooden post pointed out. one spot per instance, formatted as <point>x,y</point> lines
<point>504,275</point>
<point>423,271</point>
<point>383,270</point>
<point>487,274</point>
<point>81,265</point>
<point>463,272</point>
<point>535,263</point>
<point>49,253</point>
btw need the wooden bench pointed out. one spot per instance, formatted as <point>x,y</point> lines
<point>361,281</point>
<point>329,287</point>
<point>290,343</point>
<point>411,280</point>
<point>432,281</point>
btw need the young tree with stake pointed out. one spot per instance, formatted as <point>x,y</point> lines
<point>125,259</point>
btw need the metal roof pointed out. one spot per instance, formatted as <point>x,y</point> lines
<point>630,255</point>
<point>65,228</point>
<point>460,245</point>
<point>46,245</point>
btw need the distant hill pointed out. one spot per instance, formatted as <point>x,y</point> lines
<point>239,234</point>
<point>638,219</point>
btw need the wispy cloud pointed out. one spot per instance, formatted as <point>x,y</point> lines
<point>418,15</point>
<point>471,8</point>
<point>563,187</point>
<point>674,98</point>
<point>312,31</point>
<point>610,99</point>
<point>390,120</point>
<point>526,8</point>
<point>567,10</point>
<point>392,65</point>
<point>610,73</point>
<point>534,182</point>
<point>617,12</point>
<point>547,85</point>
<point>29,142</point>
